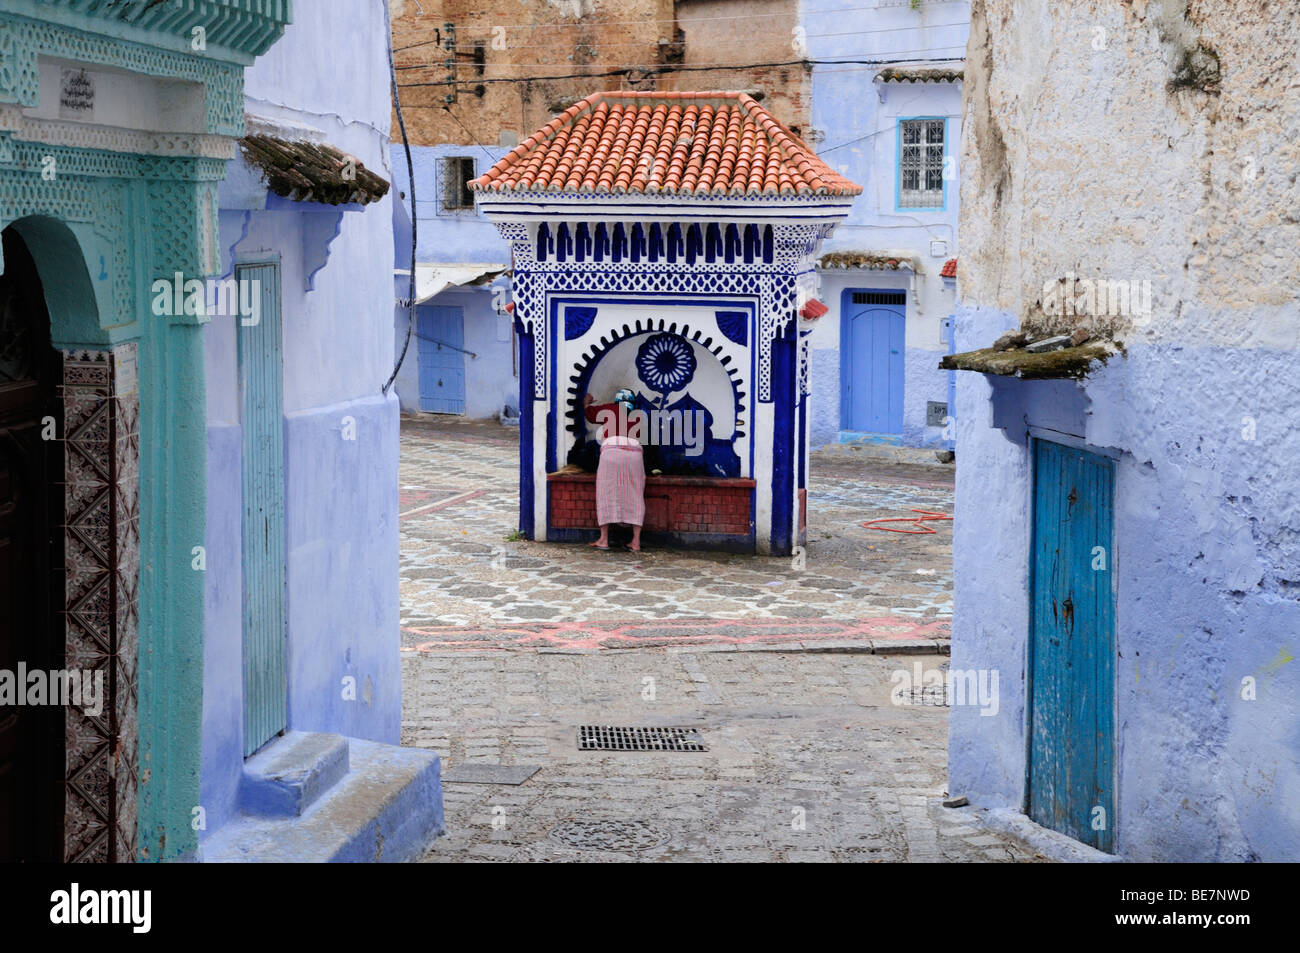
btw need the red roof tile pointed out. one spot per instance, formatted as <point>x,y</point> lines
<point>949,269</point>
<point>665,143</point>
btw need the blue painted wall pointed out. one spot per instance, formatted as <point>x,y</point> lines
<point>342,594</point>
<point>855,130</point>
<point>444,235</point>
<point>454,236</point>
<point>1206,558</point>
<point>491,378</point>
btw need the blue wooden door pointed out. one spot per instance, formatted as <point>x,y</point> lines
<point>1072,645</point>
<point>874,329</point>
<point>442,360</point>
<point>261,378</point>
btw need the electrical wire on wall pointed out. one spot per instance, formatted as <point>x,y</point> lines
<point>410,168</point>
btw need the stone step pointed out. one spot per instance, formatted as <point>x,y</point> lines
<point>923,456</point>
<point>291,773</point>
<point>386,808</point>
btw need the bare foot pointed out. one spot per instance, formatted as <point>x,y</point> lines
<point>595,544</point>
<point>632,549</point>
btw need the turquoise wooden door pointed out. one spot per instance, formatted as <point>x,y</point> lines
<point>442,360</point>
<point>873,330</point>
<point>261,379</point>
<point>1072,645</point>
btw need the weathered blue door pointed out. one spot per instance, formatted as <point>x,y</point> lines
<point>873,331</point>
<point>261,379</point>
<point>442,360</point>
<point>1072,645</point>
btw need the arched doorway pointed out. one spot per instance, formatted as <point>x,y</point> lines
<point>31,563</point>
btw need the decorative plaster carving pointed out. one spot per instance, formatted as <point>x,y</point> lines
<point>80,135</point>
<point>773,284</point>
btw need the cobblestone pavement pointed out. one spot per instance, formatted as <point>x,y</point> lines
<point>510,646</point>
<point>464,582</point>
<point>807,758</point>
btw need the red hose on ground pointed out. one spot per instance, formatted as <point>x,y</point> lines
<point>926,517</point>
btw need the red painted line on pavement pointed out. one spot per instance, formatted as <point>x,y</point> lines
<point>443,504</point>
<point>595,635</point>
<point>409,497</point>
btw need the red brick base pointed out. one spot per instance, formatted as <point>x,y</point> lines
<point>674,504</point>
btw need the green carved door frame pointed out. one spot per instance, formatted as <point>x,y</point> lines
<point>111,215</point>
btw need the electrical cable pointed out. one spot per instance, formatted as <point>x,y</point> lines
<point>645,43</point>
<point>667,68</point>
<point>410,168</point>
<point>586,24</point>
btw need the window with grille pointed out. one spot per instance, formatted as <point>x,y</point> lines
<point>456,173</point>
<point>880,297</point>
<point>920,163</point>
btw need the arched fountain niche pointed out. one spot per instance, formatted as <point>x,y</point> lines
<point>689,403</point>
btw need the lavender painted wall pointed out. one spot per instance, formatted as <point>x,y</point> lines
<point>1206,559</point>
<point>855,130</point>
<point>451,236</point>
<point>928,303</point>
<point>491,378</point>
<point>444,235</point>
<point>341,449</point>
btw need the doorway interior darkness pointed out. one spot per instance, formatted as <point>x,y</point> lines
<point>31,561</point>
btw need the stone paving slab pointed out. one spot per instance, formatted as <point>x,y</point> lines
<point>460,568</point>
<point>819,635</point>
<point>508,646</point>
<point>808,760</point>
<point>508,774</point>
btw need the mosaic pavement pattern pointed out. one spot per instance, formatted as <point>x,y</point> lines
<point>464,581</point>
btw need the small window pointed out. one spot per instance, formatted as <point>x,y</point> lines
<point>456,174</point>
<point>920,163</point>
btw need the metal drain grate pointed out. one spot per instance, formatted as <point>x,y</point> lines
<point>633,738</point>
<point>935,696</point>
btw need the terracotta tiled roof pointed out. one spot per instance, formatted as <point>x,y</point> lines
<point>313,172</point>
<point>665,143</point>
<point>949,269</point>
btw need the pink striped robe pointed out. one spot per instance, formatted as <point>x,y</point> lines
<point>620,483</point>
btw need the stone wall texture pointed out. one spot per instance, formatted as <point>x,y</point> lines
<point>1156,141</point>
<point>517,65</point>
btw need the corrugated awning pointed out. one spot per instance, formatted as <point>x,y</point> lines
<point>433,278</point>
